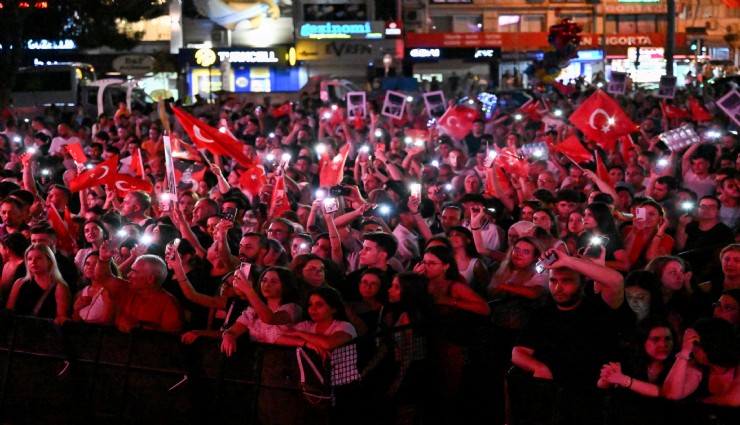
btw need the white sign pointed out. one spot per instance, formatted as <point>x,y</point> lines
<point>667,89</point>
<point>617,83</point>
<point>424,53</point>
<point>679,138</point>
<point>730,104</point>
<point>435,103</point>
<point>356,104</point>
<point>394,104</point>
<point>134,64</point>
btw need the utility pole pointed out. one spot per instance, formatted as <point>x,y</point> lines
<point>670,42</point>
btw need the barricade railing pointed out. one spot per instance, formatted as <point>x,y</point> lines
<point>83,373</point>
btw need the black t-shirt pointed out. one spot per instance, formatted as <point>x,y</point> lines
<point>574,344</point>
<point>720,234</point>
<point>473,143</point>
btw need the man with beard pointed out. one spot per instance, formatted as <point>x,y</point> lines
<point>569,340</point>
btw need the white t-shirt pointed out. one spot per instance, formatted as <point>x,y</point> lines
<point>336,326</point>
<point>58,142</point>
<point>260,331</point>
<point>702,186</point>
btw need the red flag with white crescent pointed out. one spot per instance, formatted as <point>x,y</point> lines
<point>458,121</point>
<point>332,171</point>
<point>76,152</point>
<point>253,179</point>
<point>698,112</point>
<point>125,183</point>
<point>215,141</point>
<point>574,149</point>
<point>280,201</point>
<point>673,111</point>
<point>601,119</point>
<point>101,174</point>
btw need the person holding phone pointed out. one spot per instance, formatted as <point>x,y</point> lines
<point>602,230</point>
<point>646,238</point>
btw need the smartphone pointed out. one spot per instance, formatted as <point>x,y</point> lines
<point>640,213</point>
<point>687,206</point>
<point>173,248</point>
<point>597,240</point>
<point>320,194</point>
<point>415,190</point>
<point>229,213</point>
<point>331,205</point>
<point>339,191</point>
<point>549,259</point>
<point>244,270</point>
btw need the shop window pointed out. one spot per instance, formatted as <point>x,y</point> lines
<point>467,23</point>
<point>441,24</point>
<point>533,23</point>
<point>509,23</point>
<point>611,24</point>
<point>646,24</point>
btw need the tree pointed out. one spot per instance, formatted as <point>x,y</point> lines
<point>89,23</point>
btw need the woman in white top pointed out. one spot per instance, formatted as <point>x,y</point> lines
<point>93,303</point>
<point>267,312</point>
<point>95,235</point>
<point>326,330</point>
<point>468,261</point>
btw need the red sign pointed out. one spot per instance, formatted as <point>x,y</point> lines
<point>533,40</point>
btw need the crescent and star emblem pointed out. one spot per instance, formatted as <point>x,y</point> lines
<point>119,186</point>
<point>103,167</point>
<point>198,135</point>
<point>594,114</point>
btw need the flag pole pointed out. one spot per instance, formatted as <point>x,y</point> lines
<point>171,182</point>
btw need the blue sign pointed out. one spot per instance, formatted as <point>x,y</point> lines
<point>590,55</point>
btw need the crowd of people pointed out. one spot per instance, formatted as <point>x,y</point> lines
<point>627,281</point>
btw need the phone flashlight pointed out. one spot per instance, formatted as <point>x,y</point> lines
<point>334,107</point>
<point>270,157</point>
<point>45,172</point>
<point>320,194</point>
<point>285,158</point>
<point>596,240</point>
<point>409,98</point>
<point>327,115</point>
<point>145,239</point>
<point>448,187</point>
<point>271,135</point>
<point>558,112</point>
<point>364,149</point>
<point>384,209</point>
<point>518,117</point>
<point>434,163</point>
<point>320,148</point>
<point>687,205</point>
<point>537,153</point>
<point>31,150</point>
<point>122,233</point>
<point>408,140</point>
<point>378,133</point>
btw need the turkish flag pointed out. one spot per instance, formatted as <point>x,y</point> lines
<point>565,90</point>
<point>284,109</point>
<point>103,173</point>
<point>698,113</point>
<point>601,119</point>
<point>184,151</point>
<point>673,111</point>
<point>64,238</point>
<point>125,183</point>
<point>137,164</point>
<point>76,152</point>
<point>334,116</point>
<point>627,145</point>
<point>573,148</point>
<point>280,201</point>
<point>458,121</point>
<point>601,170</point>
<point>207,137</point>
<point>422,135</point>
<point>253,180</point>
<point>332,171</point>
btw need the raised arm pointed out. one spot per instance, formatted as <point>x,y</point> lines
<point>609,280</point>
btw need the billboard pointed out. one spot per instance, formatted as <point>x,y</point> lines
<point>258,23</point>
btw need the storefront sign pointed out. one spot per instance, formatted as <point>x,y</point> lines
<point>51,45</point>
<point>335,30</point>
<point>134,64</point>
<point>633,8</point>
<point>206,57</point>
<point>421,53</point>
<point>349,51</point>
<point>531,41</point>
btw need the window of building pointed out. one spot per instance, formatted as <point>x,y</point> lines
<point>467,23</point>
<point>521,23</point>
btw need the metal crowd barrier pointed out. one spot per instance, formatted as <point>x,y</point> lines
<point>82,373</point>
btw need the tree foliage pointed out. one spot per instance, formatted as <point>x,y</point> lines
<point>89,23</point>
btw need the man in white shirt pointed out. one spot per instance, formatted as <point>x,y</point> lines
<point>64,137</point>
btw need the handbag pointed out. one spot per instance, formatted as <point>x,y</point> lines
<point>315,380</point>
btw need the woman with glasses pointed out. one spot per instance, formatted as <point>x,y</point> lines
<point>310,272</point>
<point>517,287</point>
<point>727,307</point>
<point>268,310</point>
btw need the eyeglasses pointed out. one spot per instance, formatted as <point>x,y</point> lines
<point>524,251</point>
<point>724,307</point>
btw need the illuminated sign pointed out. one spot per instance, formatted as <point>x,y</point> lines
<point>392,30</point>
<point>331,30</point>
<point>484,54</point>
<point>249,56</point>
<point>590,55</point>
<point>424,53</point>
<point>205,57</point>
<point>51,45</point>
<point>208,57</point>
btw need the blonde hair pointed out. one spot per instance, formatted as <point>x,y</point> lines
<point>56,275</point>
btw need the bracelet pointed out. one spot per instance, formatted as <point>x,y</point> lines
<point>629,383</point>
<point>682,357</point>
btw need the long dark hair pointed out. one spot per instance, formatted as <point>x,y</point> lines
<point>641,359</point>
<point>415,299</point>
<point>287,281</point>
<point>604,220</point>
<point>446,257</point>
<point>470,250</point>
<point>333,299</point>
